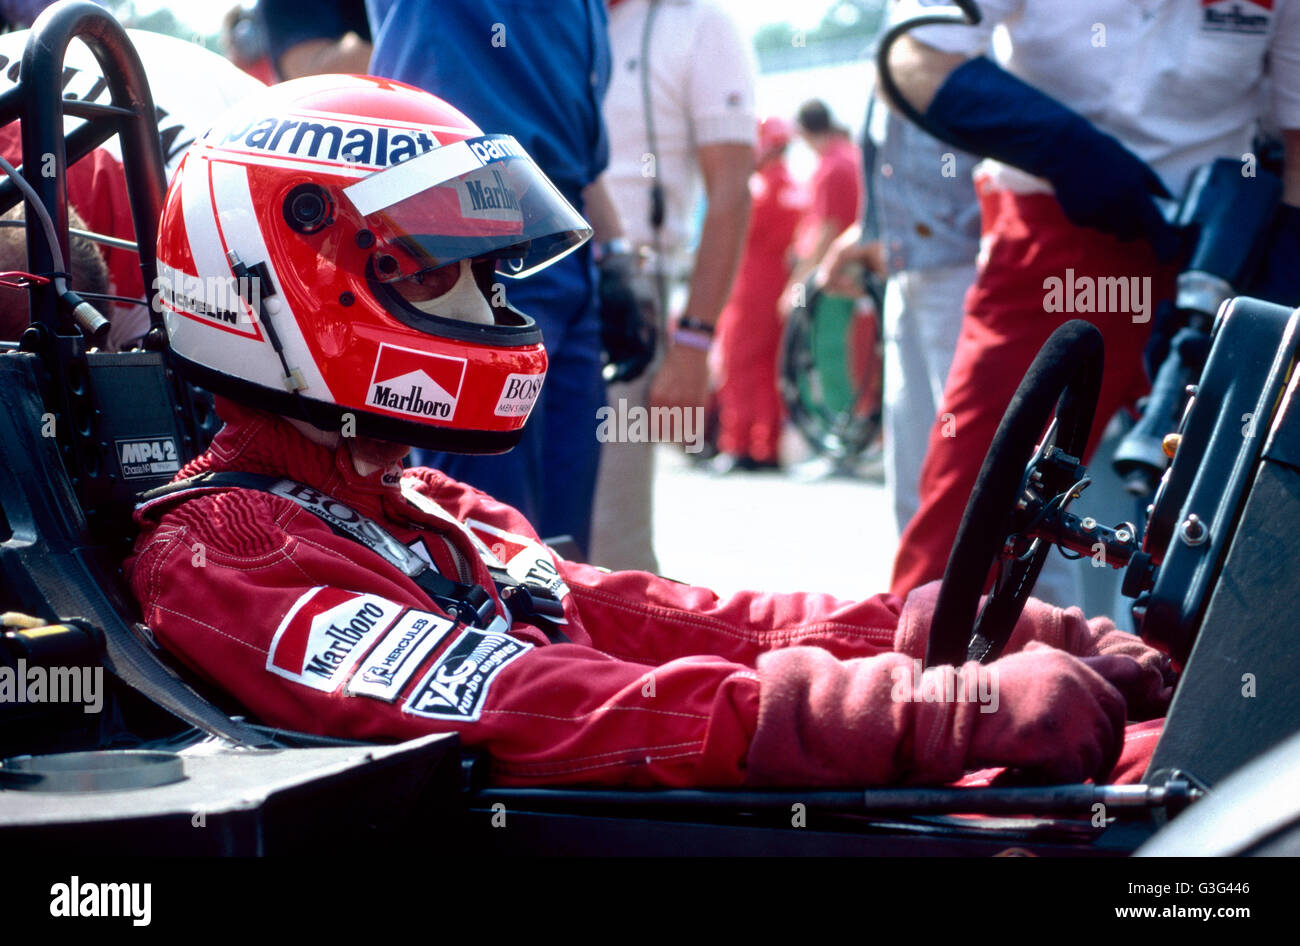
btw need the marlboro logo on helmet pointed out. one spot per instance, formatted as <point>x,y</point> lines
<point>415,382</point>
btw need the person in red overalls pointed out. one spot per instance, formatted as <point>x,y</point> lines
<point>749,329</point>
<point>836,193</point>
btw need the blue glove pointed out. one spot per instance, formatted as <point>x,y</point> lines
<point>1279,278</point>
<point>1098,182</point>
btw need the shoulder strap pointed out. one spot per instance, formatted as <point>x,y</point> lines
<point>468,603</point>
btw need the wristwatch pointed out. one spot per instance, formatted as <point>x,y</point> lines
<point>693,333</point>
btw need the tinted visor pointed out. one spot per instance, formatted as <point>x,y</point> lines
<point>481,197</point>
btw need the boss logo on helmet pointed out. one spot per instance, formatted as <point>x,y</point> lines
<point>518,394</point>
<point>415,383</point>
<point>305,138</point>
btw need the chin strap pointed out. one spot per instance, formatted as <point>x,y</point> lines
<point>246,277</point>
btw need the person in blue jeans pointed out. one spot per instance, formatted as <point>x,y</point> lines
<point>537,70</point>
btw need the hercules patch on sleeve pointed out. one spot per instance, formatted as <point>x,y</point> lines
<point>393,661</point>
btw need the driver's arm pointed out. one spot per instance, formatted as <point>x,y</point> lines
<point>672,686</point>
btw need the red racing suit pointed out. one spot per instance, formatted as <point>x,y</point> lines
<point>661,684</point>
<point>749,328</point>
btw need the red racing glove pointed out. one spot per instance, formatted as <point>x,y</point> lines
<point>1065,629</point>
<point>1055,716</point>
<point>876,720</point>
<point>1147,690</point>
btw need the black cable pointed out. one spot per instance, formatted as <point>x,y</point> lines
<point>42,214</point>
<point>970,16</point>
<point>109,297</point>
<point>658,209</point>
<point>85,316</point>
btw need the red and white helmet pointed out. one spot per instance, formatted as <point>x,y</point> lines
<point>297,231</point>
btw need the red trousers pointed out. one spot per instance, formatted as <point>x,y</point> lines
<point>1038,271</point>
<point>749,329</point>
<point>750,411</point>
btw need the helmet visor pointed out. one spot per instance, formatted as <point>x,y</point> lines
<point>481,197</point>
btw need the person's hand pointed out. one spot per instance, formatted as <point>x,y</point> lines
<point>1068,630</point>
<point>682,380</point>
<point>873,257</point>
<point>1134,681</point>
<point>792,296</point>
<point>1055,716</point>
<point>627,318</point>
<point>1149,685</point>
<point>840,273</point>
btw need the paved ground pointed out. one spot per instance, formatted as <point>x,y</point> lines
<point>781,532</point>
<point>771,530</point>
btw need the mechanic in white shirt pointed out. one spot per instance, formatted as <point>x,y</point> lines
<point>1101,106</point>
<point>698,72</point>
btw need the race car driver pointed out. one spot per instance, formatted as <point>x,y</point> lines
<point>299,569</point>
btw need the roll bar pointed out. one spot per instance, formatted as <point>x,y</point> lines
<point>38,101</point>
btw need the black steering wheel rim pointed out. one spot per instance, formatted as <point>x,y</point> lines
<point>1063,382</point>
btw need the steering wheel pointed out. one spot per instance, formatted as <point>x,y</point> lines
<point>1027,477</point>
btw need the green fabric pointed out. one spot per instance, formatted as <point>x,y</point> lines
<point>829,388</point>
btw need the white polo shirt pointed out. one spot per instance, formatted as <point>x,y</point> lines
<point>1178,82</point>
<point>702,76</point>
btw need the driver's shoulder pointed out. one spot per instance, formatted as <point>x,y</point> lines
<point>236,522</point>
